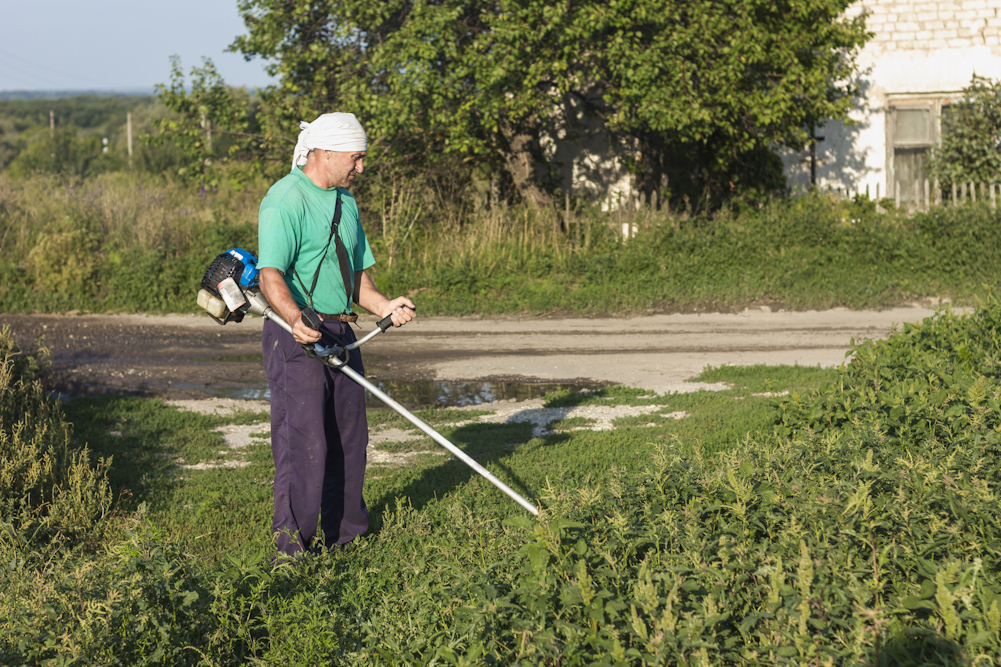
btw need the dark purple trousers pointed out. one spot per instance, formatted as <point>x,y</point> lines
<point>319,437</point>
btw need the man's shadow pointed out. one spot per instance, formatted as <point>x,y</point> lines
<point>918,646</point>
<point>489,444</point>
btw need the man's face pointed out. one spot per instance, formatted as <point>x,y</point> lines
<point>341,168</point>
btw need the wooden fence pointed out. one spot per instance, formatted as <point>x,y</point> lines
<point>920,195</point>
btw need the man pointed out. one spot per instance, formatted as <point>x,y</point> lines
<point>319,431</point>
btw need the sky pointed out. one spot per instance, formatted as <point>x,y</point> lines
<point>117,44</point>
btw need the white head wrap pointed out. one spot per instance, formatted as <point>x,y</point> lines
<point>330,132</point>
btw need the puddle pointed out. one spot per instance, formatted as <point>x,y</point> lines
<point>431,392</point>
<point>245,393</point>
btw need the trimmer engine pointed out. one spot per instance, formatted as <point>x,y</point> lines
<point>228,285</point>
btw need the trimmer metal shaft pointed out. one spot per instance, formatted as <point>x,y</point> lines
<point>260,306</point>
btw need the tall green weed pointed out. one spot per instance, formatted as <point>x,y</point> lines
<point>122,241</point>
<point>116,242</point>
<point>48,484</point>
<point>937,380</point>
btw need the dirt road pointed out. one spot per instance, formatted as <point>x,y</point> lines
<point>190,356</point>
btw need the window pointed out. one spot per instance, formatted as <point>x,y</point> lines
<point>911,136</point>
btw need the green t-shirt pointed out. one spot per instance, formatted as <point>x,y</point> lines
<point>293,228</point>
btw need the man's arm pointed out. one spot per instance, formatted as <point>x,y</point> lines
<point>401,308</point>
<point>276,292</point>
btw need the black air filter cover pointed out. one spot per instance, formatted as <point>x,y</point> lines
<point>222,267</point>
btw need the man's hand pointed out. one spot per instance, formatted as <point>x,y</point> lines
<point>402,309</point>
<point>303,334</point>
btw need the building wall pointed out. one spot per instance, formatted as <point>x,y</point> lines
<point>588,159</point>
<point>921,52</point>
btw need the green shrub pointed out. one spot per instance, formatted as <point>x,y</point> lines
<point>937,380</point>
<point>66,152</point>
<point>63,262</point>
<point>971,127</point>
<point>47,484</point>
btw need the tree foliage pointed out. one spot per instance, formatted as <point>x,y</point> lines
<point>63,152</point>
<point>211,122</point>
<point>709,83</point>
<point>971,136</point>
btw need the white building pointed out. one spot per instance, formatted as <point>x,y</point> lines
<point>923,54</point>
<point>589,160</point>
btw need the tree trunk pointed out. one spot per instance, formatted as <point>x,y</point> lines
<point>520,164</point>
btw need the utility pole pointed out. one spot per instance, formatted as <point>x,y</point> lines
<point>52,131</point>
<point>207,126</point>
<point>128,132</point>
<point>813,154</point>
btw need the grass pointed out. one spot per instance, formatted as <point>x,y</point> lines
<point>220,512</point>
<point>100,244</point>
<point>213,508</point>
<point>432,416</point>
<point>769,379</point>
<point>570,423</point>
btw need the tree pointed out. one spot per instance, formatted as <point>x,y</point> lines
<point>971,136</point>
<point>202,115</point>
<point>63,152</point>
<point>699,87</point>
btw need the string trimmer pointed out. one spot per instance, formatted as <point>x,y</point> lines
<point>231,289</point>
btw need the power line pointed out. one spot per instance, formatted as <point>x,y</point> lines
<point>4,73</point>
<point>29,63</point>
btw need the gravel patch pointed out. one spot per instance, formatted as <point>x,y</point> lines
<point>601,415</point>
<point>219,406</point>
<point>504,412</point>
<point>238,436</point>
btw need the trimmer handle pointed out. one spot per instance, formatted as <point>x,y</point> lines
<point>311,318</point>
<point>387,322</point>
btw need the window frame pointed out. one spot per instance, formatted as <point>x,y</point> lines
<point>934,103</point>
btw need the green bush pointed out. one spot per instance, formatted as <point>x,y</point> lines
<point>937,380</point>
<point>47,484</point>
<point>65,152</point>
<point>971,128</point>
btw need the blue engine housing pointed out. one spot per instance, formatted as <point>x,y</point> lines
<point>251,274</point>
